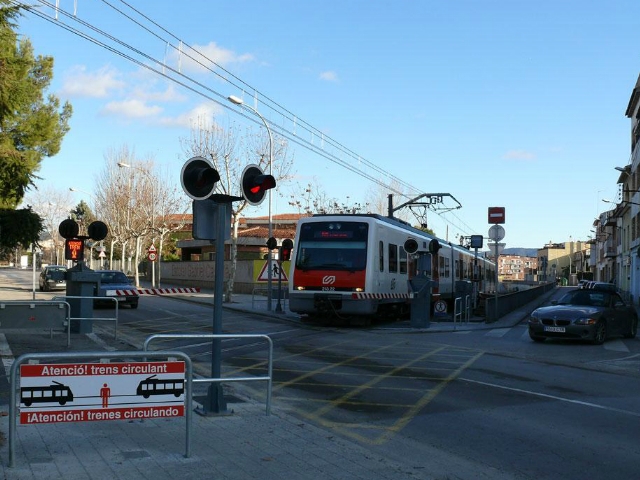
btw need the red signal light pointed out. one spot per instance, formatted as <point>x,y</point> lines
<point>74,249</point>
<point>285,250</point>
<point>255,184</point>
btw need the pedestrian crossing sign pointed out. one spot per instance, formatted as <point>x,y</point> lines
<point>278,271</point>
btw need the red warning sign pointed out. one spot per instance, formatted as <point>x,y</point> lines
<point>496,215</point>
<point>92,392</point>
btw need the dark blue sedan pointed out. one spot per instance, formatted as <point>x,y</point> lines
<point>115,284</point>
<point>585,314</point>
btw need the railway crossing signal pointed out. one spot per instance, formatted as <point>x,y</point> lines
<point>211,220</point>
<point>74,249</point>
<point>285,250</point>
<point>255,184</point>
<point>199,178</point>
<point>81,280</point>
<point>272,243</point>
<point>74,243</point>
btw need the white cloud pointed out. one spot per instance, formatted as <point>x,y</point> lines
<point>204,112</point>
<point>199,58</point>
<point>169,94</point>
<point>519,155</point>
<point>132,108</point>
<point>77,82</point>
<point>329,76</point>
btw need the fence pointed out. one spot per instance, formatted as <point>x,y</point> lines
<point>460,311</point>
<point>512,301</point>
<point>36,315</point>
<point>114,319</point>
<point>268,378</point>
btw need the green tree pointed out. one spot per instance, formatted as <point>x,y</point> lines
<point>31,127</point>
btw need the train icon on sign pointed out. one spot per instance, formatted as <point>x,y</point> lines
<point>54,393</point>
<point>155,386</point>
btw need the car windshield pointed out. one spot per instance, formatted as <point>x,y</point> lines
<point>592,298</point>
<point>113,277</point>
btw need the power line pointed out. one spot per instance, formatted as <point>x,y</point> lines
<point>341,155</point>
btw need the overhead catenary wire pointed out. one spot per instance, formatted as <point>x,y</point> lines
<point>340,154</point>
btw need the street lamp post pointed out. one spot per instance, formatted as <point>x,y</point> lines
<point>238,101</point>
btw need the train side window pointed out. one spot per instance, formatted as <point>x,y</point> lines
<point>393,258</point>
<point>381,254</point>
<point>458,269</point>
<point>403,261</point>
<point>447,266</point>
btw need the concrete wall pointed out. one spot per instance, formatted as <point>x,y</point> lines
<point>201,274</point>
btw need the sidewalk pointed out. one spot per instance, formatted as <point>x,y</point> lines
<point>244,444</point>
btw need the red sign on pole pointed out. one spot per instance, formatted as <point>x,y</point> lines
<point>496,215</point>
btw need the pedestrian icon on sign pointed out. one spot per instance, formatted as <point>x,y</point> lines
<point>105,393</point>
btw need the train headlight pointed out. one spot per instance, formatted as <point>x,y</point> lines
<point>358,289</point>
<point>299,288</point>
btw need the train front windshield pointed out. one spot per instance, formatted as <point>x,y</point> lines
<point>332,246</point>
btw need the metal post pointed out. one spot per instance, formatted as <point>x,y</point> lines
<point>33,265</point>
<point>215,397</point>
<point>496,303</point>
<point>279,305</point>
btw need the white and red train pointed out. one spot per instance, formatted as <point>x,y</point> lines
<point>356,265</point>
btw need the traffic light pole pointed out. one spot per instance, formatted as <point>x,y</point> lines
<point>212,211</point>
<point>279,305</point>
<point>215,402</point>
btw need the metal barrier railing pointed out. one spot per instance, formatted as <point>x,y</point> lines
<point>115,319</point>
<point>459,312</point>
<point>211,336</point>
<point>98,355</point>
<point>32,304</point>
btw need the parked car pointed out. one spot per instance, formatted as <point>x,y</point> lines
<point>53,277</point>
<point>588,314</point>
<point>583,283</point>
<point>114,283</point>
<point>610,287</point>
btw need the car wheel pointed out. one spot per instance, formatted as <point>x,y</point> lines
<point>633,331</point>
<point>537,339</point>
<point>600,334</point>
<point>134,305</point>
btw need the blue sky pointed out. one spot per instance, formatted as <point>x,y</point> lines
<point>505,103</point>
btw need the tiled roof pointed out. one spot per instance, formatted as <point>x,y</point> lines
<point>263,232</point>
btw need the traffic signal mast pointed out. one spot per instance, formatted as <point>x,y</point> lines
<point>212,221</point>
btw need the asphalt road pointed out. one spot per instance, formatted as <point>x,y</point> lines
<point>487,399</point>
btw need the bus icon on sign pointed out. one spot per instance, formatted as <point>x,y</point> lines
<point>155,386</point>
<point>56,392</point>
